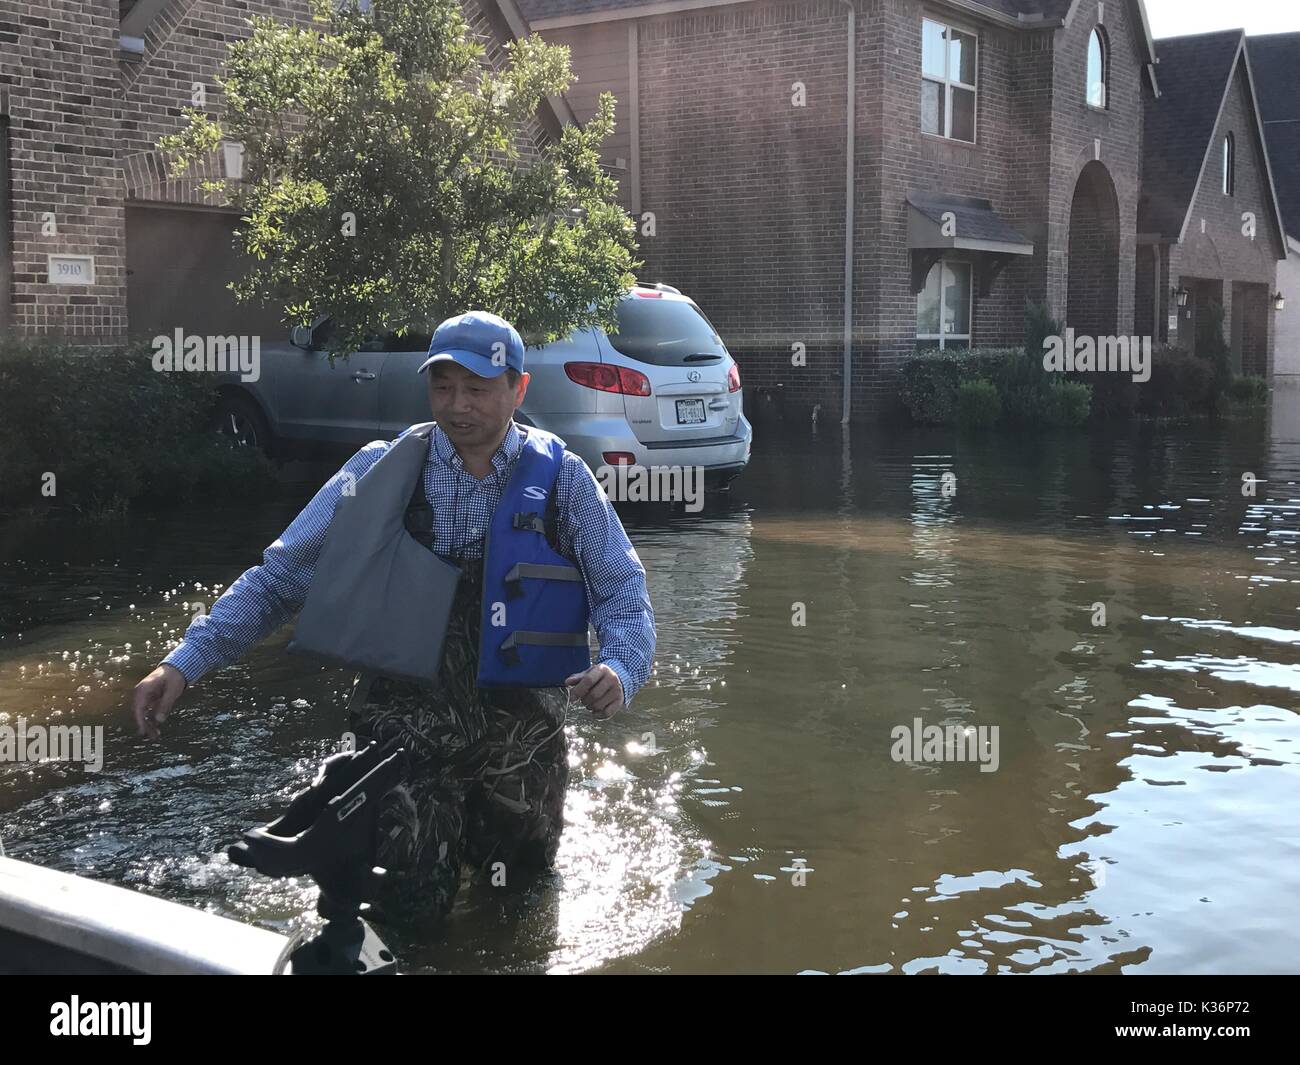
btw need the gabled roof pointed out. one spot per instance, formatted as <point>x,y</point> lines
<point>1275,62</point>
<point>1196,76</point>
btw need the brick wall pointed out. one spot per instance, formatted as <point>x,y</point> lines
<point>83,122</point>
<point>1144,317</point>
<point>1005,164</point>
<point>747,189</point>
<point>601,53</point>
<point>58,68</point>
<point>1112,137</point>
<point>186,45</point>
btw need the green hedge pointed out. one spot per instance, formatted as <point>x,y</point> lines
<point>1251,390</point>
<point>936,389</point>
<point>1180,385</point>
<point>112,430</point>
<point>978,404</point>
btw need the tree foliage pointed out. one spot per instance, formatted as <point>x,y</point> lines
<point>383,183</point>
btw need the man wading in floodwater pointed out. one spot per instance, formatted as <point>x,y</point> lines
<point>484,726</point>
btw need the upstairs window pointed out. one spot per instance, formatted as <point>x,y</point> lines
<point>947,81</point>
<point>1097,69</point>
<point>1229,165</point>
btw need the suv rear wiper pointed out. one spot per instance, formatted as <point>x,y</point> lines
<point>702,357</point>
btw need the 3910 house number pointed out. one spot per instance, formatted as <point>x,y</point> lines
<point>71,270</point>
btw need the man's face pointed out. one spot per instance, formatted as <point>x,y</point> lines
<point>473,411</point>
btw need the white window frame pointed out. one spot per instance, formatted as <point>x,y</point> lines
<point>1229,164</point>
<point>941,338</point>
<point>1099,36</point>
<point>948,83</point>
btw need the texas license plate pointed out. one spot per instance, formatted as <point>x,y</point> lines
<point>690,411</point>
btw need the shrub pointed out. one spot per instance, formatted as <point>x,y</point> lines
<point>929,386</point>
<point>932,383</point>
<point>1114,395</point>
<point>978,405</point>
<point>1181,384</point>
<point>111,429</point>
<point>1068,404</point>
<point>1249,390</point>
<point>1039,325</point>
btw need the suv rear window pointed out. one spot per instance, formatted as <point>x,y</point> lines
<point>663,332</point>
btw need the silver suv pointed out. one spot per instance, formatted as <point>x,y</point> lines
<point>662,391</point>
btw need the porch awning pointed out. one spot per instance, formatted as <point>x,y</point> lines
<point>974,226</point>
<point>937,222</point>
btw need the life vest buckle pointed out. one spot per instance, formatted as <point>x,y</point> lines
<point>532,521</point>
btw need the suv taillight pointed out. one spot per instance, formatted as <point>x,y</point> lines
<point>620,379</point>
<point>733,378</point>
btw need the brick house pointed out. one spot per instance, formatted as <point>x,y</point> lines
<point>836,181</point>
<point>1209,223</point>
<point>1019,122</point>
<point>1275,62</point>
<point>86,89</point>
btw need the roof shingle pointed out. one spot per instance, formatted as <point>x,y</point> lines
<point>1193,75</point>
<point>974,218</point>
<point>1275,64</point>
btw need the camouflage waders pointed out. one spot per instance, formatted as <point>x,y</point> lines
<point>489,771</point>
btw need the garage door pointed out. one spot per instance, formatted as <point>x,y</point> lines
<point>178,263</point>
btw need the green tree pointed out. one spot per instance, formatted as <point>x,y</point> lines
<point>383,184</point>
<point>1039,325</point>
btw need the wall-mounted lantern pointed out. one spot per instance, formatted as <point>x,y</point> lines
<point>1279,301</point>
<point>1180,294</point>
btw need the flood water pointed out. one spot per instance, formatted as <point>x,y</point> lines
<point>1142,815</point>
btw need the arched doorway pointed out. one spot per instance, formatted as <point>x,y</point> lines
<point>1092,303</point>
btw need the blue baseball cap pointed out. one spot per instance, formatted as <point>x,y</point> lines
<point>483,343</point>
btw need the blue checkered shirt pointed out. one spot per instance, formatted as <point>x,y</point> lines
<point>590,533</point>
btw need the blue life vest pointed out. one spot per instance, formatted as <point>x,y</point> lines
<point>533,630</point>
<point>381,597</point>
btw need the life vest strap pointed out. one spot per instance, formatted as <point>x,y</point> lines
<point>418,518</point>
<point>539,571</point>
<point>510,651</point>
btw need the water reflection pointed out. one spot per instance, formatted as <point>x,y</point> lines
<point>1117,607</point>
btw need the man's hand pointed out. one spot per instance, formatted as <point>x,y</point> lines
<point>598,689</point>
<point>154,698</point>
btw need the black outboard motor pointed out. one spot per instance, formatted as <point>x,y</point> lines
<point>330,833</point>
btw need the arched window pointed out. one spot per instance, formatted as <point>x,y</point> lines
<point>943,307</point>
<point>1229,165</point>
<point>1097,69</point>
